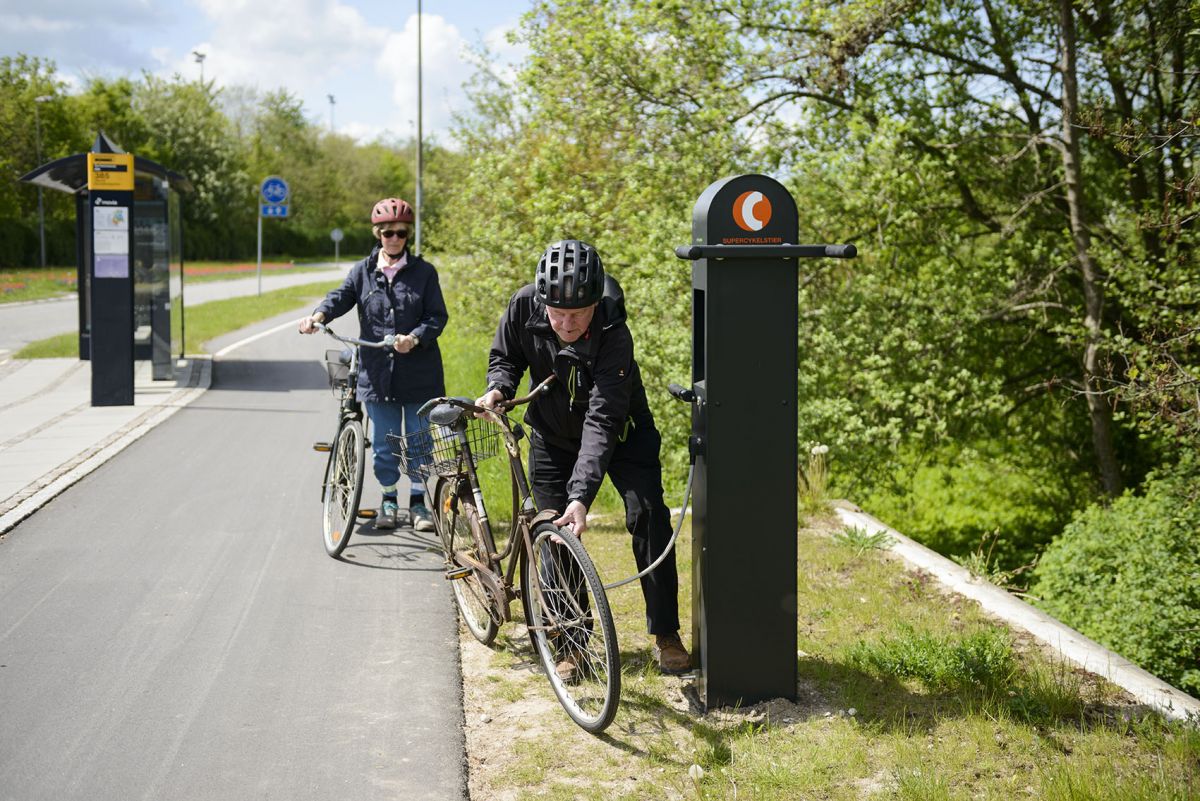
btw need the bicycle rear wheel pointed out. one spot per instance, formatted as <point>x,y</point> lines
<point>343,486</point>
<point>458,540</point>
<point>569,620</point>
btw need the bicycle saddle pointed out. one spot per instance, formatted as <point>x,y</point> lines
<point>447,414</point>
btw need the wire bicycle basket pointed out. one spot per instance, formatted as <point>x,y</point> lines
<point>437,450</point>
<point>337,366</point>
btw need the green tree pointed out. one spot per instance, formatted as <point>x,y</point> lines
<point>188,133</point>
<point>22,80</point>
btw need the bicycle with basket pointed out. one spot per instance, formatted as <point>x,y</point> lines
<point>341,490</point>
<point>562,597</point>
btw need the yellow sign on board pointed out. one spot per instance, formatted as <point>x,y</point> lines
<point>110,171</point>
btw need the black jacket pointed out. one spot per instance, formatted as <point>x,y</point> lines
<point>413,304</point>
<point>597,394</point>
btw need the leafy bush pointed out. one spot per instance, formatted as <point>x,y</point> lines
<point>1128,576</point>
<point>1000,505</point>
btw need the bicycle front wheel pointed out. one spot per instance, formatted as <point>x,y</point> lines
<point>343,486</point>
<point>571,627</point>
<point>458,541</point>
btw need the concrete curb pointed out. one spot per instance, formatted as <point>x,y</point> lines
<point>1070,644</point>
<point>198,380</point>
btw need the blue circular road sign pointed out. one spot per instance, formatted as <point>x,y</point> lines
<point>274,189</point>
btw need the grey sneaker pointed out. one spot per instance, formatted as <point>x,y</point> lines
<point>387,514</point>
<point>422,520</point>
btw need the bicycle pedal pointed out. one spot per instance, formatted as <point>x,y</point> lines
<point>322,447</point>
<point>457,573</point>
<point>368,514</point>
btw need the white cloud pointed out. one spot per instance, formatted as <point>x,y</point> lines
<point>444,68</point>
<point>273,43</point>
<point>361,51</point>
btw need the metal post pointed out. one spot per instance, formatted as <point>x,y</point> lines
<point>417,227</point>
<point>260,253</point>
<point>37,122</point>
<point>332,101</point>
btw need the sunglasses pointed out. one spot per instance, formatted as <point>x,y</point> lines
<point>400,232</point>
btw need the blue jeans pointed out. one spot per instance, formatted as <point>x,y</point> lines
<point>393,418</point>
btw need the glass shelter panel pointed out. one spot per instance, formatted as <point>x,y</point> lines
<point>151,292</point>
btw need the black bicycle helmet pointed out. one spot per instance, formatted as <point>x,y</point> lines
<point>569,275</point>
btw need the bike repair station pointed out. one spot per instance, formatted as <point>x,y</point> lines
<point>128,235</point>
<point>743,445</point>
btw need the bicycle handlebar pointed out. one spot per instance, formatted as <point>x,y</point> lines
<point>504,405</point>
<point>387,342</point>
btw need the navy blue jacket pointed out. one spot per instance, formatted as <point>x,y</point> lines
<point>412,304</point>
<point>597,396</point>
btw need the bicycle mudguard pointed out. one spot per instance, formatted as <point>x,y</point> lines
<point>544,516</point>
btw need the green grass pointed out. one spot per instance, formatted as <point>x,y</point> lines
<point>904,692</point>
<point>55,347</point>
<point>19,284</point>
<point>205,322</point>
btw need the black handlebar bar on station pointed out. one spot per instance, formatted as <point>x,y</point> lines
<point>694,252</point>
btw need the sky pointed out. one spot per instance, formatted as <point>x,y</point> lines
<point>363,52</point>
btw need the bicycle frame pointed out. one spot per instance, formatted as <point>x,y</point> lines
<point>567,616</point>
<point>351,407</point>
<point>525,515</point>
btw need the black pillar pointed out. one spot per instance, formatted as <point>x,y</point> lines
<point>110,202</point>
<point>744,359</point>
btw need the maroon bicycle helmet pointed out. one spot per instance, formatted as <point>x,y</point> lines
<point>569,275</point>
<point>391,209</point>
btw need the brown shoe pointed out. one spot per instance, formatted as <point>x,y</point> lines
<point>672,657</point>
<point>568,668</point>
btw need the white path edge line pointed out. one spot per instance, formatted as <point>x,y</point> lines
<point>1068,643</point>
<point>136,430</point>
<point>256,337</point>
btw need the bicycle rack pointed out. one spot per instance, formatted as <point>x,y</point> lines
<point>744,355</point>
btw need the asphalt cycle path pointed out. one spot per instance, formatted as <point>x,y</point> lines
<point>171,627</point>
<point>22,323</point>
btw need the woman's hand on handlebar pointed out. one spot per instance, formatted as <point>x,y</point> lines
<point>308,325</point>
<point>489,400</point>
<point>404,343</point>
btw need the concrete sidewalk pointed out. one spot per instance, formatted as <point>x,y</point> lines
<point>51,436</point>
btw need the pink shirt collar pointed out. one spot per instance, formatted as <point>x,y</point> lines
<point>390,272</point>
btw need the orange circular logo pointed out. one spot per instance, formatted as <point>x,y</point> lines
<point>751,211</point>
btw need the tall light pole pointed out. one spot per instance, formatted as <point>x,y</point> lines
<point>332,101</point>
<point>37,124</point>
<point>417,231</point>
<point>200,60</point>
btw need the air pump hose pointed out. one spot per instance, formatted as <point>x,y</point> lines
<point>687,495</point>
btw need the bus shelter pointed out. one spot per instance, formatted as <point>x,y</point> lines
<point>156,255</point>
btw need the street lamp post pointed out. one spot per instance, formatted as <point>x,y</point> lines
<point>332,101</point>
<point>200,60</point>
<point>417,227</point>
<point>37,124</point>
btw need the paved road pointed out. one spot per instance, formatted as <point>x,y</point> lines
<point>22,323</point>
<point>170,627</point>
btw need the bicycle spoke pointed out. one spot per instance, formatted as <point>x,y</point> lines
<point>570,622</point>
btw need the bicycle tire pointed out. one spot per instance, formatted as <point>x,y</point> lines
<point>458,535</point>
<point>554,579</point>
<point>343,486</point>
